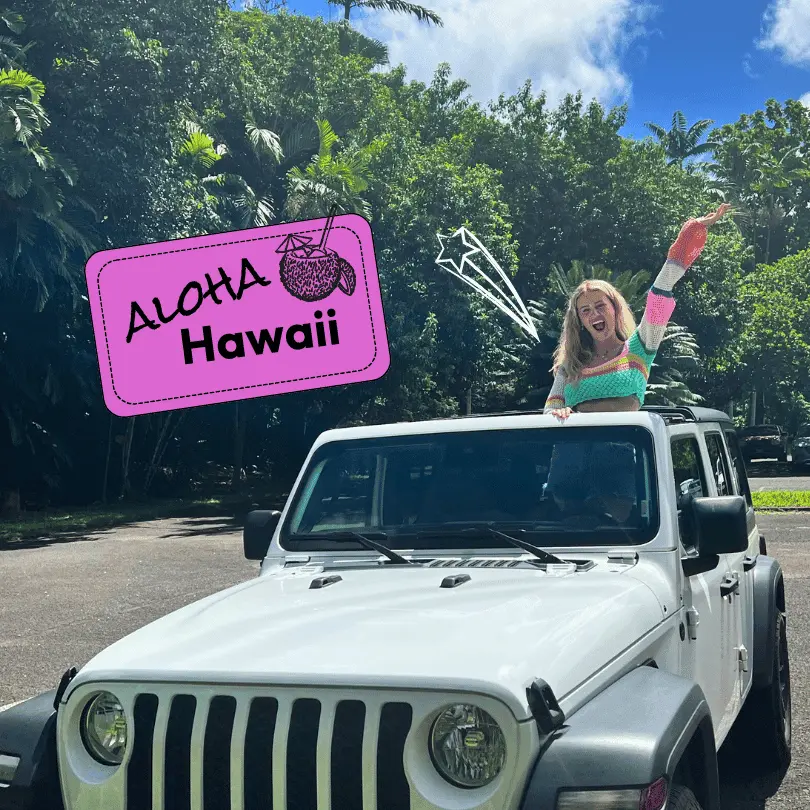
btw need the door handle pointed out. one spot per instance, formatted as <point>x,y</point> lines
<point>749,563</point>
<point>730,585</point>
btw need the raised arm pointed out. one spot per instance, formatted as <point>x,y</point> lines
<point>556,397</point>
<point>660,300</point>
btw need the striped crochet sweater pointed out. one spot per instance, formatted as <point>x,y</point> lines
<point>628,373</point>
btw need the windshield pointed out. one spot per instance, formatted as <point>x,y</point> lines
<point>760,430</point>
<point>565,486</point>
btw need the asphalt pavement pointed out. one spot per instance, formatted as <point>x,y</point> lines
<point>63,601</point>
<point>766,475</point>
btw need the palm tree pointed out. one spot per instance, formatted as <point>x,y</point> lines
<point>329,181</point>
<point>679,142</point>
<point>353,42</point>
<point>399,6</point>
<point>10,50</point>
<point>244,189</point>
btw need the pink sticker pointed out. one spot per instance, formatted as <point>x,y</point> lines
<point>237,315</point>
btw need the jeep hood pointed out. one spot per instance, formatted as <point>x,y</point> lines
<point>394,626</point>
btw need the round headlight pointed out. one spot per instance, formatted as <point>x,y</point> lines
<point>467,746</point>
<point>104,729</point>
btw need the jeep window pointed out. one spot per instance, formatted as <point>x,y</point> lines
<point>720,465</point>
<point>690,480</point>
<point>739,466</point>
<point>578,486</point>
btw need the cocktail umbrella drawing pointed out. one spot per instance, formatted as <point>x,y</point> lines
<point>293,242</point>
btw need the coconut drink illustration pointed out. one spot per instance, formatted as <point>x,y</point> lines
<point>313,272</point>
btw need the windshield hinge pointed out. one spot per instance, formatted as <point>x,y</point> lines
<point>622,557</point>
<point>293,560</point>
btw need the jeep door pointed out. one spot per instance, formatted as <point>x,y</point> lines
<point>709,657</point>
<point>744,563</point>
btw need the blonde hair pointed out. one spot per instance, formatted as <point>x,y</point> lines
<point>575,348</point>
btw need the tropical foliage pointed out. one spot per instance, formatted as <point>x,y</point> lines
<point>124,122</point>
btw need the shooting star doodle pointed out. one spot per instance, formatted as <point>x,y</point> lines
<point>466,269</point>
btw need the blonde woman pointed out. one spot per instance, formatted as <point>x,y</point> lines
<point>602,363</point>
<point>603,360</point>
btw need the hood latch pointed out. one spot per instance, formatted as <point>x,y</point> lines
<point>544,707</point>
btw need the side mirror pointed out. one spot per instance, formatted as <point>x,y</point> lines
<point>720,525</point>
<point>258,532</point>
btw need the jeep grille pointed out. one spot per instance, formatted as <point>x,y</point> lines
<point>273,753</point>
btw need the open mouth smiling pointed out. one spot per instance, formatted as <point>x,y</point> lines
<point>599,326</point>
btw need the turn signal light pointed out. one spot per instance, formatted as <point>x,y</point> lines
<point>652,797</point>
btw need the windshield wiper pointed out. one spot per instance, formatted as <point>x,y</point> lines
<point>538,552</point>
<point>360,538</point>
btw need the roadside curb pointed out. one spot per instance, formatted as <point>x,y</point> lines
<point>782,508</point>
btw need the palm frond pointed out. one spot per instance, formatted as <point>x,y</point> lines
<point>656,130</point>
<point>402,7</point>
<point>264,141</point>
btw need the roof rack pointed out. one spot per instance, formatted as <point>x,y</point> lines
<point>528,412</point>
<point>671,414</point>
<point>682,413</point>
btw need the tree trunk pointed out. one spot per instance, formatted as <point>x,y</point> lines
<point>768,234</point>
<point>162,443</point>
<point>107,462</point>
<point>347,7</point>
<point>469,400</point>
<point>126,451</point>
<point>11,505</point>
<point>752,417</point>
<point>239,425</point>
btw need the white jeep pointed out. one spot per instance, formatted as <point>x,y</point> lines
<point>444,620</point>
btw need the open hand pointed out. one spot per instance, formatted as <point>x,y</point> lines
<point>710,219</point>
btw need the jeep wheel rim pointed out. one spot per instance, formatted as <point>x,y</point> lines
<point>784,682</point>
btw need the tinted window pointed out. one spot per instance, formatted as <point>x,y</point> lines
<point>690,481</point>
<point>578,486</point>
<point>739,466</point>
<point>720,466</point>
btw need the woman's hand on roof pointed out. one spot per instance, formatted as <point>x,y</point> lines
<point>562,413</point>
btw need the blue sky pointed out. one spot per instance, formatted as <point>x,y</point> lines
<point>710,58</point>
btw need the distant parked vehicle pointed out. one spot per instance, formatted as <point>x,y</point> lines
<point>800,448</point>
<point>764,441</point>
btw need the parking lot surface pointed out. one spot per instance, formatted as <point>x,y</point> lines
<point>64,601</point>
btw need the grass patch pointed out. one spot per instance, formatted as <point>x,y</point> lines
<point>48,523</point>
<point>781,498</point>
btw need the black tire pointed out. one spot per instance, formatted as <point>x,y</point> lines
<point>765,724</point>
<point>681,798</point>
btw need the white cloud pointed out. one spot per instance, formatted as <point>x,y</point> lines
<point>805,99</point>
<point>561,45</point>
<point>747,69</point>
<point>786,29</point>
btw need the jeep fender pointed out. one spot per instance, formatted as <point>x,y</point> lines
<point>769,596</point>
<point>646,725</point>
<point>28,731</point>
